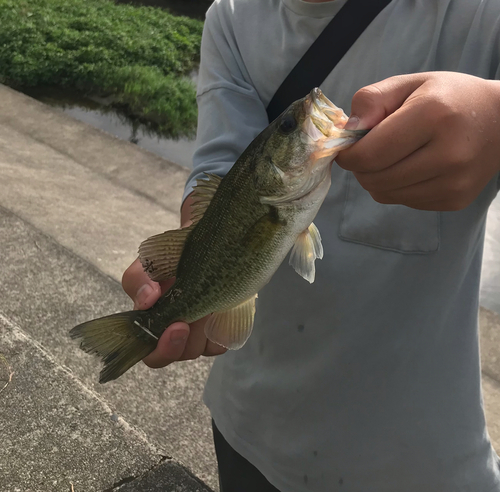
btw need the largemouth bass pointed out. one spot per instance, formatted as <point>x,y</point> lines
<point>243,227</point>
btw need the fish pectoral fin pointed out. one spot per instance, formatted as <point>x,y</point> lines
<point>160,254</point>
<point>306,249</point>
<point>231,328</point>
<point>203,193</point>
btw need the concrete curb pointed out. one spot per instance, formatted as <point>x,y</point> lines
<point>122,163</point>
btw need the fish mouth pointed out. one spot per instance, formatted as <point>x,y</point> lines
<point>324,113</point>
<point>325,122</point>
<point>324,136</point>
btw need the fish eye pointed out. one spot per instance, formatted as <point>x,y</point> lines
<point>288,124</point>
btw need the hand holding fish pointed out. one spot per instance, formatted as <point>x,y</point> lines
<point>435,142</point>
<point>180,341</point>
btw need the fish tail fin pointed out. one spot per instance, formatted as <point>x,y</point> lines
<point>120,339</point>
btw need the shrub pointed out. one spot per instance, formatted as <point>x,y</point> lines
<point>139,55</point>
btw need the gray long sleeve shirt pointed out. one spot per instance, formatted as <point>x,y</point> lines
<point>369,379</point>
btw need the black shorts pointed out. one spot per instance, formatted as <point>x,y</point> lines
<point>236,474</point>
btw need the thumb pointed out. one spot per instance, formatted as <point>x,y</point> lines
<point>373,103</point>
<point>170,346</point>
<point>139,287</point>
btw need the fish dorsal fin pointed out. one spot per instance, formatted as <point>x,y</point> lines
<point>160,254</point>
<point>232,328</point>
<point>306,249</point>
<point>203,193</point>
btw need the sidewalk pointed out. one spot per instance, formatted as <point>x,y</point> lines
<point>74,205</point>
<point>69,195</point>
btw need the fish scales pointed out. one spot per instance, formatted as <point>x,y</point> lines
<point>229,250</point>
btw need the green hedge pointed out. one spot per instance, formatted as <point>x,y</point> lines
<point>139,55</point>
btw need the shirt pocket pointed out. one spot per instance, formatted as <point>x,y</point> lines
<point>391,227</point>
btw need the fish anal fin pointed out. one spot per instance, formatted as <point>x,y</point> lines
<point>231,328</point>
<point>160,254</point>
<point>306,249</point>
<point>203,193</point>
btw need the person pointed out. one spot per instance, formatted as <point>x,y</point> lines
<point>369,379</point>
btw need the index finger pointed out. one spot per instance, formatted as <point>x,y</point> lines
<point>401,124</point>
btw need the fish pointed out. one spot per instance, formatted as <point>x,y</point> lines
<point>243,226</point>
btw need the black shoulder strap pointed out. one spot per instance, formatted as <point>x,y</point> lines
<point>324,54</point>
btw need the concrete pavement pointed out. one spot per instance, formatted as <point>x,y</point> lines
<point>74,205</point>
<point>68,196</point>
<point>57,429</point>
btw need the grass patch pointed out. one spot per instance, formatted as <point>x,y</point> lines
<point>139,55</point>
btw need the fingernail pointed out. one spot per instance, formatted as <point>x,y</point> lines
<point>178,337</point>
<point>142,295</point>
<point>352,123</point>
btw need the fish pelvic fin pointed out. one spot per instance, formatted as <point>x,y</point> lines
<point>306,249</point>
<point>120,339</point>
<point>232,328</point>
<point>160,254</point>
